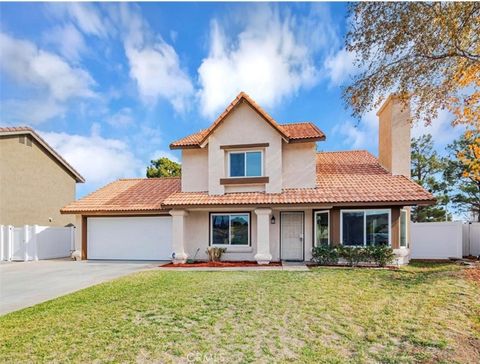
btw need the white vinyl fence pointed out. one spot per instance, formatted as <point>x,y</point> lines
<point>444,240</point>
<point>33,242</point>
<point>471,239</point>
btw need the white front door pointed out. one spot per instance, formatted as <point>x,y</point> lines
<point>291,235</point>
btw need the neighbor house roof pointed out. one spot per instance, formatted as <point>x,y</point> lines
<point>343,178</point>
<point>294,132</point>
<point>23,130</point>
<point>124,195</point>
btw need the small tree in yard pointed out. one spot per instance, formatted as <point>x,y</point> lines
<point>427,170</point>
<point>163,167</point>
<point>463,173</point>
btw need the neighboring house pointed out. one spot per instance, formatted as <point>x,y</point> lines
<point>261,190</point>
<point>35,181</point>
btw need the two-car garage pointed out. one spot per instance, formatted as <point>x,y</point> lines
<point>129,238</point>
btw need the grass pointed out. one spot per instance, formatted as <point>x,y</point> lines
<point>421,313</point>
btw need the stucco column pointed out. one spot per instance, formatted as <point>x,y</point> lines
<point>263,255</point>
<point>178,236</point>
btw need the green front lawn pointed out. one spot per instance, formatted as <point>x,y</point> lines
<point>422,313</point>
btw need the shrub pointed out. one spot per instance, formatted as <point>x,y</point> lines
<point>353,255</point>
<point>325,254</point>
<point>380,254</point>
<point>215,253</point>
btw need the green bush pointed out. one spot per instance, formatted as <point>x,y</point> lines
<point>353,255</point>
<point>380,254</point>
<point>325,254</point>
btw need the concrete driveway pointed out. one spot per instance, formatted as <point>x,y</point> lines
<point>24,284</point>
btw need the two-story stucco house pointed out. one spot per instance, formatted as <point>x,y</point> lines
<point>261,190</point>
<point>35,181</point>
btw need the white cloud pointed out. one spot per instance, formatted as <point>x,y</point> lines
<point>30,111</point>
<point>271,58</point>
<point>25,63</point>
<point>361,135</point>
<point>365,133</point>
<point>48,74</point>
<point>154,64</point>
<point>85,15</point>
<point>163,153</point>
<point>68,40</point>
<point>441,129</point>
<point>340,67</point>
<point>121,118</point>
<point>98,159</point>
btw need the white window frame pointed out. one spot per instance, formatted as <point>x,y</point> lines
<point>245,162</point>
<point>407,243</point>
<point>229,214</point>
<point>315,225</point>
<point>389,211</point>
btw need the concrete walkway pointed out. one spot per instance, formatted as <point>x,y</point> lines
<point>24,284</point>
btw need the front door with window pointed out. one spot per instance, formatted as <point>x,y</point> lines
<point>291,235</point>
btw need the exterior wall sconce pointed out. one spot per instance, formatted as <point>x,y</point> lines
<point>272,220</point>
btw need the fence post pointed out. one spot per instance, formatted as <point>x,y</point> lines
<point>25,241</point>
<point>72,238</point>
<point>2,243</point>
<point>34,242</point>
<point>10,242</point>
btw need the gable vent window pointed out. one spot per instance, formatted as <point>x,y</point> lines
<point>245,164</point>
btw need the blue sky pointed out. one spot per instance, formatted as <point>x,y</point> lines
<point>111,85</point>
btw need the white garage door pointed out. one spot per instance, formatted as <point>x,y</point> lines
<point>129,238</point>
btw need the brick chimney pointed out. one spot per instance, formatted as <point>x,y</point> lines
<point>394,136</point>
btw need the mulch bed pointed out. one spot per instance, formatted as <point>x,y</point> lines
<point>219,264</point>
<point>388,267</point>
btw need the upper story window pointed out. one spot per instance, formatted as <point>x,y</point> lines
<point>245,164</point>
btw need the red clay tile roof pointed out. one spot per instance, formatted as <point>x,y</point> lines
<point>302,131</point>
<point>22,130</point>
<point>343,178</point>
<point>294,132</point>
<point>124,195</point>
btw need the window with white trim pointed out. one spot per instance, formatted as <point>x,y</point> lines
<point>230,229</point>
<point>403,229</point>
<point>245,164</point>
<point>365,227</point>
<point>322,228</point>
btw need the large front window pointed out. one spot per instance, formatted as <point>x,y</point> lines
<point>245,164</point>
<point>230,229</point>
<point>365,227</point>
<point>322,233</point>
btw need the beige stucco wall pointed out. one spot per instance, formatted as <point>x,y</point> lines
<point>195,170</point>
<point>33,185</point>
<point>299,165</point>
<point>244,126</point>
<point>394,137</point>
<point>198,222</point>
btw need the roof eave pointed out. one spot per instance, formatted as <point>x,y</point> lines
<point>77,176</point>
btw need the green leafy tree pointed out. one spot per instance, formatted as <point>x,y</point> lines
<point>163,167</point>
<point>427,170</point>
<point>463,175</point>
